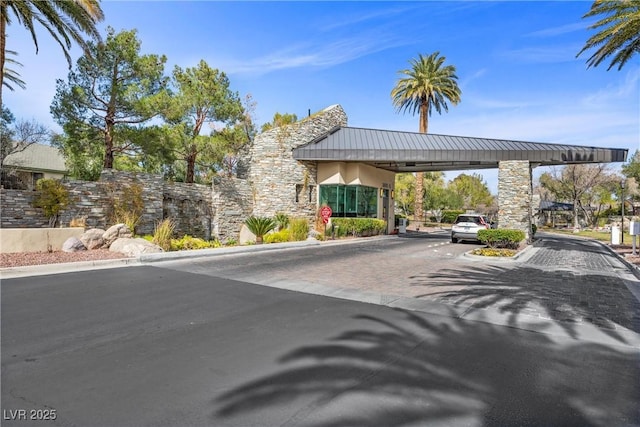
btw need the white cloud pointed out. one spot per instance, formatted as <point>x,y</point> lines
<point>623,89</point>
<point>542,54</point>
<point>316,54</point>
<point>559,30</point>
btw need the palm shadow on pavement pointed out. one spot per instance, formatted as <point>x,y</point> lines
<point>566,297</point>
<point>408,369</point>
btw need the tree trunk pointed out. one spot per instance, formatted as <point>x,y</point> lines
<point>3,44</point>
<point>417,210</point>
<point>576,224</point>
<point>108,142</point>
<point>418,213</point>
<point>191,168</point>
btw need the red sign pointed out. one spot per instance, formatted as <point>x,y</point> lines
<point>325,213</point>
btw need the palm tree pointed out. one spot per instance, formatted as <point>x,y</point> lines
<point>65,20</point>
<point>11,77</point>
<point>619,34</point>
<point>426,86</point>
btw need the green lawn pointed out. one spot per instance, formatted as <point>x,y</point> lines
<point>597,235</point>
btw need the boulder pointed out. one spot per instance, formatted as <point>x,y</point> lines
<point>73,244</point>
<point>134,247</point>
<point>92,238</point>
<point>115,232</point>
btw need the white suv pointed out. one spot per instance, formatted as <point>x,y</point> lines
<point>466,227</point>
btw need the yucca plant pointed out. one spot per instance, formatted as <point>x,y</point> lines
<point>260,226</point>
<point>282,220</point>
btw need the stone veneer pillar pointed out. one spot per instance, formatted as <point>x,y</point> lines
<point>514,195</point>
<point>280,183</point>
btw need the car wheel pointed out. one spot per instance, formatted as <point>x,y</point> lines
<point>454,240</point>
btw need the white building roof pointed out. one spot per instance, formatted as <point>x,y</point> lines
<point>38,157</point>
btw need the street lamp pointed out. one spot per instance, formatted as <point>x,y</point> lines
<point>622,220</point>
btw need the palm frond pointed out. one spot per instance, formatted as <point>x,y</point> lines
<point>619,32</point>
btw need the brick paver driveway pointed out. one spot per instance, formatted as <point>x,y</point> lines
<point>565,279</point>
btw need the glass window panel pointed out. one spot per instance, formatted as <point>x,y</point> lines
<point>368,202</point>
<point>351,199</point>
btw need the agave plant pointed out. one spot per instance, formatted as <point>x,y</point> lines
<point>260,226</point>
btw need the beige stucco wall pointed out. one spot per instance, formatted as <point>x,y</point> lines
<point>360,174</point>
<point>36,239</point>
<point>354,174</point>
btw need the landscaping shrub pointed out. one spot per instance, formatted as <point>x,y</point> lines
<point>494,252</point>
<point>189,242</point>
<point>299,229</point>
<point>52,197</point>
<point>449,216</point>
<point>128,206</point>
<point>501,238</point>
<point>260,226</point>
<point>357,226</point>
<point>163,233</point>
<point>278,236</point>
<point>534,228</point>
<point>282,220</point>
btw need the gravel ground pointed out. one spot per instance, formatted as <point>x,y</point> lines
<point>37,258</point>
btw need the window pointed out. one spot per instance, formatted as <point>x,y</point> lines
<point>350,200</point>
<point>36,177</point>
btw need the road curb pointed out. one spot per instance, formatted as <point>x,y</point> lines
<point>633,269</point>
<point>67,267</point>
<point>521,256</point>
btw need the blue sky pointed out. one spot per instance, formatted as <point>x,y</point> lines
<point>515,62</point>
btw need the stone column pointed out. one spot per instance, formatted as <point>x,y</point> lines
<point>514,195</point>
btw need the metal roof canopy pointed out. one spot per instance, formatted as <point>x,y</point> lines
<point>419,152</point>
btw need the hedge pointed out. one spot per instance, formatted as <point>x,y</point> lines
<point>501,238</point>
<point>449,216</point>
<point>357,226</point>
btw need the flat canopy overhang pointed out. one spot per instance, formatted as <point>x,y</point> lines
<point>417,152</point>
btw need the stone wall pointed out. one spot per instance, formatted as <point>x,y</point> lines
<point>270,181</point>
<point>188,204</point>
<point>280,183</point>
<point>16,210</point>
<point>514,195</point>
<point>190,207</point>
<point>232,203</point>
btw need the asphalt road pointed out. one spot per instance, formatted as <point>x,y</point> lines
<point>164,346</point>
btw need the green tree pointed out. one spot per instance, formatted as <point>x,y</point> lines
<point>438,195</point>
<point>631,169</point>
<point>473,191</point>
<point>279,120</point>
<point>577,184</point>
<point>404,188</point>
<point>425,87</point>
<point>108,99</point>
<point>52,197</point>
<point>66,21</point>
<point>619,32</point>
<point>202,96</point>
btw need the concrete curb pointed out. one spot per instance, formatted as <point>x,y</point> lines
<point>521,256</point>
<point>68,267</point>
<point>633,269</point>
<point>200,253</point>
<point>45,269</point>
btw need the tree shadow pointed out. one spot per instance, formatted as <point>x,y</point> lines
<point>408,370</point>
<point>558,242</point>
<point>588,298</point>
